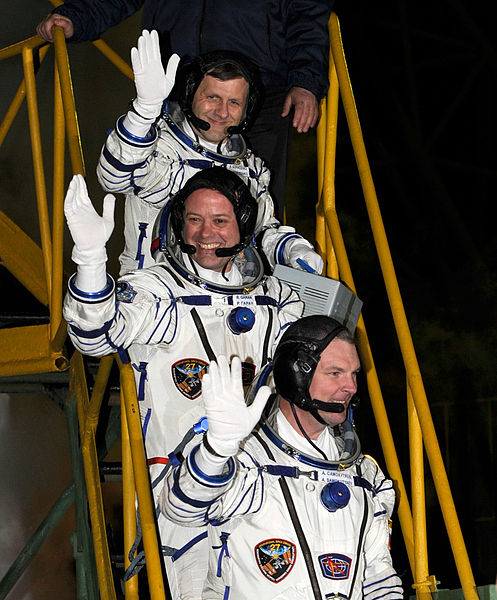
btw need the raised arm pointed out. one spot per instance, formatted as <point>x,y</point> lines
<point>208,481</point>
<point>100,320</point>
<point>127,161</point>
<point>90,233</point>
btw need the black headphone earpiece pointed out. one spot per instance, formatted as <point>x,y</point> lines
<point>294,367</point>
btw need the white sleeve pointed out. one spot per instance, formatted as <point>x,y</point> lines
<point>149,167</point>
<point>192,497</point>
<point>110,321</point>
<point>380,577</point>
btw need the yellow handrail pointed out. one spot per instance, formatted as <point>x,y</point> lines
<point>407,348</point>
<point>72,127</point>
<point>39,172</point>
<point>423,581</point>
<point>141,477</point>
<point>332,227</point>
<point>88,412</point>
<point>129,509</point>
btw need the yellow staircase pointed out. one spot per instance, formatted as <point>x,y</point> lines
<point>43,349</point>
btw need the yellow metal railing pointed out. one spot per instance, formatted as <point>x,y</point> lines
<point>421,428</point>
<point>40,270</point>
<point>139,483</point>
<point>135,476</point>
<point>39,348</point>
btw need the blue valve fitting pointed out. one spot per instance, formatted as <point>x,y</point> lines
<point>240,320</point>
<point>335,495</point>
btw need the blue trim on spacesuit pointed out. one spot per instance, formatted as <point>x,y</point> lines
<point>91,297</point>
<point>209,480</point>
<point>193,542</point>
<point>135,140</point>
<point>280,247</point>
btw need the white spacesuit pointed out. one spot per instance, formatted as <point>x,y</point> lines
<point>173,319</point>
<point>149,162</point>
<point>283,522</point>
<point>255,544</point>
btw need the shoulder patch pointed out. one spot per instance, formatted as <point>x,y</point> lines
<point>275,558</point>
<point>187,375</point>
<point>335,566</point>
<point>125,292</point>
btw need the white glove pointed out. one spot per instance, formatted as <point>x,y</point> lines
<point>298,248</point>
<point>90,233</point>
<point>230,419</point>
<point>152,84</point>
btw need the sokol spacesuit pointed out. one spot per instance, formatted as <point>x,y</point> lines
<point>177,316</point>
<point>291,514</point>
<point>150,160</point>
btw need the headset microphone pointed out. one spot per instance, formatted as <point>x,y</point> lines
<point>334,407</point>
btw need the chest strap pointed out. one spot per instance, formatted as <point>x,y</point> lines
<point>202,300</point>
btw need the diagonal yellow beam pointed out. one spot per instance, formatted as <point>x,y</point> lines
<point>17,48</point>
<point>26,265</point>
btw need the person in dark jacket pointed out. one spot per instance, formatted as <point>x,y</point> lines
<point>286,39</point>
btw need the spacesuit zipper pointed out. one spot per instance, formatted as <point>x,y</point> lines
<point>268,332</point>
<point>361,533</point>
<point>302,540</point>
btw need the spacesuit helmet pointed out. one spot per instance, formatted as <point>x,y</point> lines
<point>290,373</point>
<point>168,229</point>
<point>224,65</point>
<point>297,356</point>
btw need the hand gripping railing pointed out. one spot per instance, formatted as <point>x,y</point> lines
<point>421,428</point>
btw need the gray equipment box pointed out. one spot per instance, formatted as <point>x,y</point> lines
<point>322,295</point>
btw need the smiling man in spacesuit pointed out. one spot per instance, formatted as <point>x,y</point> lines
<point>158,145</point>
<point>295,510</point>
<point>206,295</point>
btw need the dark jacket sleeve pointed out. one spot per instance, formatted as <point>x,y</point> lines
<point>91,18</point>
<point>307,44</point>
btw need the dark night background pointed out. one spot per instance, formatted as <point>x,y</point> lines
<point>423,76</point>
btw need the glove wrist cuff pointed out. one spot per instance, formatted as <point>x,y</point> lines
<point>210,449</point>
<point>146,111</point>
<point>89,257</point>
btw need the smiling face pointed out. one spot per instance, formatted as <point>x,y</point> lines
<point>334,380</point>
<point>210,223</point>
<point>221,104</point>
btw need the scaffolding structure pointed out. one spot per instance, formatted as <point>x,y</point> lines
<point>43,350</point>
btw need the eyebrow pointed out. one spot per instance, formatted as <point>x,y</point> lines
<point>341,369</point>
<point>217,215</point>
